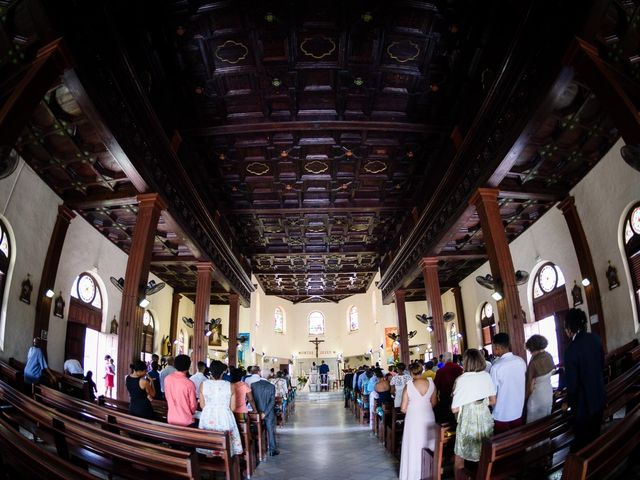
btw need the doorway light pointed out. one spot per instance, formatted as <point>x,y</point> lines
<point>586,282</point>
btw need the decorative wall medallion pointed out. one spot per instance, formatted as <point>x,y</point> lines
<point>404,51</point>
<point>375,166</point>
<point>58,306</point>
<point>25,290</point>
<point>576,295</point>
<point>231,52</point>
<point>318,46</point>
<point>316,167</point>
<point>258,168</point>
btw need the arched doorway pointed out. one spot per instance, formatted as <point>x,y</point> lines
<point>550,304</point>
<point>85,312</point>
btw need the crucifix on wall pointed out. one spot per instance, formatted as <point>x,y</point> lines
<point>317,342</point>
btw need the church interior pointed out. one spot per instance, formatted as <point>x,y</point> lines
<point>279,184</point>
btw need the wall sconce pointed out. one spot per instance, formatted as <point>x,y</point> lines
<point>144,303</point>
<point>586,282</point>
<point>49,293</point>
<point>496,295</point>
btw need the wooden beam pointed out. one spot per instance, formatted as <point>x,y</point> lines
<point>305,274</point>
<point>463,255</point>
<point>168,260</point>
<point>317,211</point>
<point>118,198</point>
<point>533,194</point>
<point>79,94</point>
<point>302,126</point>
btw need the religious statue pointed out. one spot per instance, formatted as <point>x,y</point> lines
<point>576,294</point>
<point>165,346</point>
<point>58,307</point>
<point>25,290</point>
<point>612,277</point>
<point>114,326</point>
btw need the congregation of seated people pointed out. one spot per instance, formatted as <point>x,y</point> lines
<point>482,395</point>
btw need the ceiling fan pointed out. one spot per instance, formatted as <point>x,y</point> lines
<point>188,322</point>
<point>489,282</point>
<point>151,287</point>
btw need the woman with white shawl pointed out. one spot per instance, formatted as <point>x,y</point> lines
<point>472,394</point>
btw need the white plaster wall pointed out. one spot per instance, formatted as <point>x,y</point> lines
<point>602,197</point>
<point>30,209</point>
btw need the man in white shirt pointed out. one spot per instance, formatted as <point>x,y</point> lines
<point>166,371</point>
<point>199,377</point>
<point>508,374</point>
<point>72,367</point>
<point>254,377</point>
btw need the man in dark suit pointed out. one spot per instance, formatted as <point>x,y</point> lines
<point>583,363</point>
<point>264,394</point>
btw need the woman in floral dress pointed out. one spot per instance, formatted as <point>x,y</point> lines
<point>216,400</point>
<point>473,392</point>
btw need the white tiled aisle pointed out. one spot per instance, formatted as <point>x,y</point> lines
<point>324,441</point>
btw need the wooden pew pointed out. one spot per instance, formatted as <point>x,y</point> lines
<point>614,363</point>
<point>74,386</point>
<point>394,434</point>
<point>11,375</point>
<point>607,452</point>
<point>248,445</point>
<point>433,460</point>
<point>82,442</point>
<point>260,433</point>
<point>150,430</point>
<point>159,406</point>
<point>22,458</point>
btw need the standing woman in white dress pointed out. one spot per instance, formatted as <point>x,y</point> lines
<point>418,398</point>
<point>539,392</point>
<point>216,400</point>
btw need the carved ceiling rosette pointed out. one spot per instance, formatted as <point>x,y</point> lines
<point>403,51</point>
<point>316,167</point>
<point>231,52</point>
<point>258,168</point>
<point>375,166</point>
<point>317,47</point>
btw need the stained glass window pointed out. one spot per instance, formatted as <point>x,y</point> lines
<point>354,319</point>
<point>148,328</point>
<point>487,324</point>
<point>632,250</point>
<point>316,323</point>
<point>4,242</point>
<point>548,279</point>
<point>278,320</point>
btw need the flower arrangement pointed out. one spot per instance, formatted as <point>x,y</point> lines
<point>302,381</point>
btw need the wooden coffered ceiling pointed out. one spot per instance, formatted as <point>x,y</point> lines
<point>315,145</point>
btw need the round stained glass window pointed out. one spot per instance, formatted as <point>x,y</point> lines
<point>635,220</point>
<point>146,318</point>
<point>548,278</point>
<point>86,289</point>
<point>488,310</point>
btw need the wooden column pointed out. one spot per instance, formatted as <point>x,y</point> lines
<point>150,205</point>
<point>509,309</point>
<point>173,326</point>
<point>234,314</point>
<point>49,273</point>
<point>429,268</point>
<point>203,300</point>
<point>587,269</point>
<point>399,295</point>
<point>462,325</point>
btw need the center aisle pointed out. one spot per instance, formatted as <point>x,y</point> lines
<point>322,440</point>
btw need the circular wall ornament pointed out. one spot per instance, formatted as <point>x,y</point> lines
<point>318,46</point>
<point>86,289</point>
<point>403,51</point>
<point>258,168</point>
<point>231,52</point>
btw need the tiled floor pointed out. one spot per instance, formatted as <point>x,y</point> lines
<point>324,441</point>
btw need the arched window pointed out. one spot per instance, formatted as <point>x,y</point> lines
<point>488,324</point>
<point>631,232</point>
<point>181,347</point>
<point>5,259</point>
<point>148,329</point>
<point>86,302</point>
<point>278,320</point>
<point>316,323</point>
<point>354,319</point>
<point>549,297</point>
<point>454,338</point>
